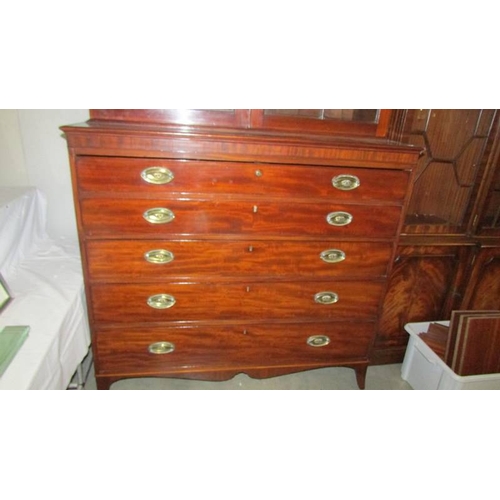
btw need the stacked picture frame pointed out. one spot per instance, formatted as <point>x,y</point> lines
<point>471,343</point>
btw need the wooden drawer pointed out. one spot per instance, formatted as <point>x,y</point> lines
<point>228,301</point>
<point>228,347</point>
<point>125,175</point>
<point>149,260</point>
<point>115,218</point>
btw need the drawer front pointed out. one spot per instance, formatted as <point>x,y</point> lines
<point>160,350</point>
<point>149,260</point>
<point>107,218</point>
<point>163,302</point>
<point>159,177</point>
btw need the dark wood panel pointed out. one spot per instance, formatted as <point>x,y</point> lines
<point>123,175</point>
<point>124,260</point>
<point>483,290</point>
<point>458,336</point>
<point>115,218</point>
<point>124,303</point>
<point>420,288</point>
<point>478,346</point>
<point>436,337</point>
<point>230,347</point>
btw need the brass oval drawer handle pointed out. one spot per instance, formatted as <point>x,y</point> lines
<point>346,182</point>
<point>159,256</point>
<point>332,256</point>
<point>159,215</point>
<point>326,298</point>
<point>161,348</point>
<point>339,218</point>
<point>318,340</point>
<point>157,175</point>
<point>161,301</point>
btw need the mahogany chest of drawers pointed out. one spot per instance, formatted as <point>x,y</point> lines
<point>210,252</point>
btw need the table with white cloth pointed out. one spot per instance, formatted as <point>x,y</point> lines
<point>45,280</point>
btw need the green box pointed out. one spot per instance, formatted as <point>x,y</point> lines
<point>11,340</point>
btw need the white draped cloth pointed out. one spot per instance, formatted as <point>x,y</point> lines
<point>44,277</point>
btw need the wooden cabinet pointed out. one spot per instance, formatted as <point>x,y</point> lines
<point>450,242</point>
<point>211,249</point>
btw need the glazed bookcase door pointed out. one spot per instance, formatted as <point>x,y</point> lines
<point>483,285</point>
<point>489,222</point>
<point>204,117</point>
<point>449,172</point>
<point>368,122</point>
<point>359,122</point>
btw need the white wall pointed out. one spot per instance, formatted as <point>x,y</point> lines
<point>40,158</point>
<point>12,167</point>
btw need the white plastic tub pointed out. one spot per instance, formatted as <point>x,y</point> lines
<point>423,369</point>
